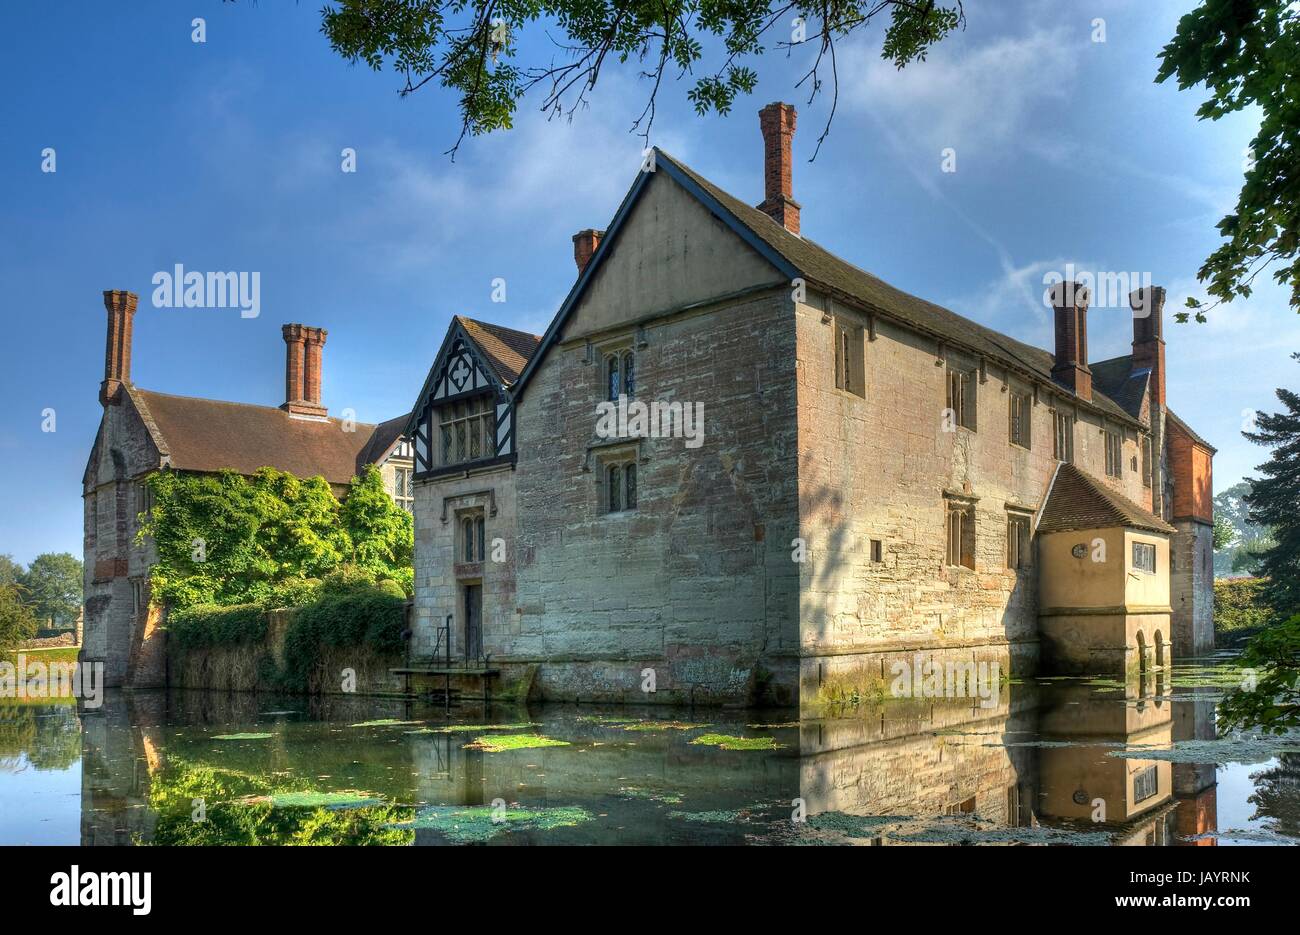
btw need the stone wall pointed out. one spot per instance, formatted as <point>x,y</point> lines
<point>1191,587</point>
<point>696,583</point>
<point>251,667</point>
<point>118,630</point>
<point>441,573</point>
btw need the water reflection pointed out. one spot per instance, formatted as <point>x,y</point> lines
<point>197,768</point>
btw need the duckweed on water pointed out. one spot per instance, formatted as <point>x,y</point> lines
<point>468,825</point>
<point>663,725</point>
<point>713,817</point>
<point>242,736</point>
<point>666,798</point>
<point>1222,750</point>
<point>728,742</point>
<point>386,722</point>
<point>317,800</point>
<point>470,728</point>
<point>500,743</point>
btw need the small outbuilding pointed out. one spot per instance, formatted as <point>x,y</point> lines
<point>1103,580</point>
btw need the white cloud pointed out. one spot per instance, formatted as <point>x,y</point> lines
<point>966,96</point>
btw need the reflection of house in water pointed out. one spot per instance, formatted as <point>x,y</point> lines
<point>1038,758</point>
<point>121,749</point>
<point>1082,782</point>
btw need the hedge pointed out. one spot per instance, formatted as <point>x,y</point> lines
<point>207,625</point>
<point>1239,604</point>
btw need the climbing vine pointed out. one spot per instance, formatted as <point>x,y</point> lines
<point>268,539</point>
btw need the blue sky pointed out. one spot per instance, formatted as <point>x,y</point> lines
<point>226,156</point>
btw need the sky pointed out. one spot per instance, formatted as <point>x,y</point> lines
<point>226,155</point>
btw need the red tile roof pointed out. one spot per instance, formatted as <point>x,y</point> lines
<point>507,350</point>
<point>1077,501</point>
<point>211,435</point>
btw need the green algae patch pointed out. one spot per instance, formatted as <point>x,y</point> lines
<point>783,724</point>
<point>716,817</point>
<point>477,824</point>
<point>470,728</point>
<point>953,830</point>
<point>317,800</point>
<point>728,742</point>
<point>607,721</point>
<point>503,742</point>
<point>664,798</point>
<point>242,736</point>
<point>1220,751</point>
<point>386,722</point>
<point>663,725</point>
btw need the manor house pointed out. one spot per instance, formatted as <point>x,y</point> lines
<point>876,475</point>
<point>143,431</point>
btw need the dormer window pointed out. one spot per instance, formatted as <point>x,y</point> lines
<point>467,430</point>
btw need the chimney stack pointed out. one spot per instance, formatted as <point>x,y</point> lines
<point>302,370</point>
<point>777,123</point>
<point>117,351</point>
<point>1070,302</point>
<point>1148,306</point>
<point>584,245</point>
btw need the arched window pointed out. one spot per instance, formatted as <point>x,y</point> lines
<point>467,537</point>
<point>612,377</point>
<point>479,536</point>
<point>613,476</point>
<point>629,486</point>
<point>629,374</point>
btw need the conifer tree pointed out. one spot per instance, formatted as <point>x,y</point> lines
<point>1274,501</point>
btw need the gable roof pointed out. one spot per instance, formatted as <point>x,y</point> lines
<point>797,256</point>
<point>1118,380</point>
<point>1169,413</point>
<point>209,435</point>
<point>382,440</point>
<point>504,351</point>
<point>507,350</point>
<point>1077,501</point>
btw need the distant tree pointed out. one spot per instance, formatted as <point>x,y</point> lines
<point>1223,533</point>
<point>1247,54</point>
<point>53,584</point>
<point>10,571</point>
<point>1272,501</point>
<point>471,47</point>
<point>16,621</point>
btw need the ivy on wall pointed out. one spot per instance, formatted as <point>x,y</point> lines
<point>226,539</point>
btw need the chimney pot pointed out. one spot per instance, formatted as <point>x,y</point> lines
<point>777,121</point>
<point>302,370</point>
<point>1070,303</point>
<point>585,243</point>
<point>120,306</point>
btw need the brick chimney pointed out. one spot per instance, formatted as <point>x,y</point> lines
<point>1070,302</point>
<point>1148,306</point>
<point>117,350</point>
<point>777,123</point>
<point>584,245</point>
<point>302,370</point>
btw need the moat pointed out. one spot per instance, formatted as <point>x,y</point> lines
<point>1054,761</point>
